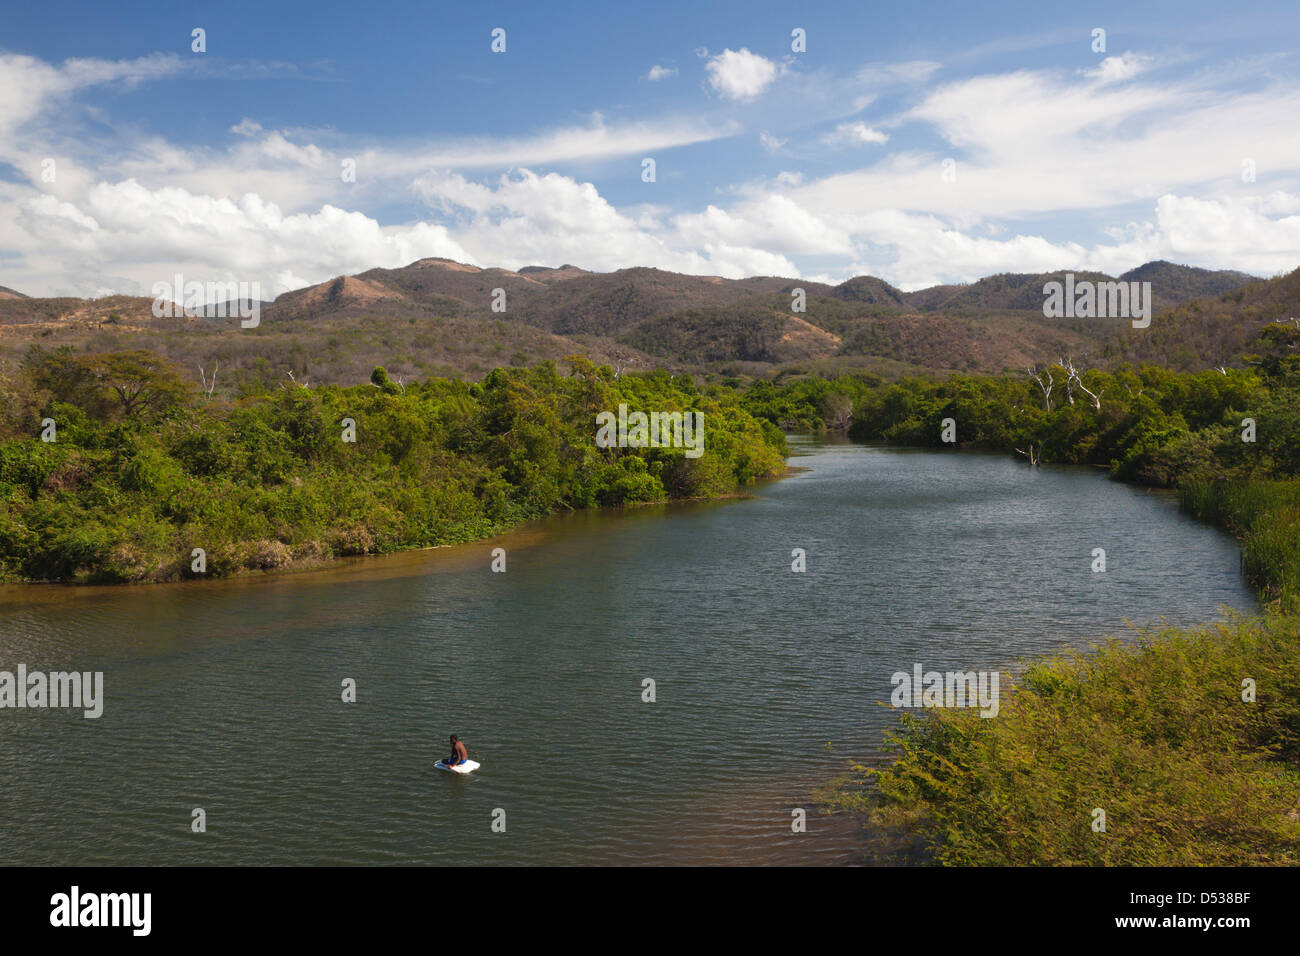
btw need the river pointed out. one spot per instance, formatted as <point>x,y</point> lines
<point>226,695</point>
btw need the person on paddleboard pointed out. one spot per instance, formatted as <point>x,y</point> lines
<point>458,752</point>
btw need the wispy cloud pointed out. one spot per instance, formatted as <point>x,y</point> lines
<point>854,134</point>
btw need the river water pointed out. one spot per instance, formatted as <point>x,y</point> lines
<point>226,695</point>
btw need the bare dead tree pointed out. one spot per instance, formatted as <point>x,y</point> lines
<point>1034,459</point>
<point>622,361</point>
<point>302,384</point>
<point>1046,387</point>
<point>1074,380</point>
<point>209,386</point>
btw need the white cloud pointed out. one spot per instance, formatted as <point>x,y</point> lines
<point>773,223</point>
<point>529,218</point>
<point>918,250</point>
<point>658,72</point>
<point>595,141</point>
<point>1237,230</point>
<point>127,230</point>
<point>269,203</point>
<point>908,72</point>
<point>854,134</point>
<point>741,75</point>
<point>1117,69</point>
<point>274,146</point>
<point>1031,142</point>
<point>31,85</point>
<point>125,237</point>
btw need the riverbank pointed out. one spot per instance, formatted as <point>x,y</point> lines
<point>1183,749</point>
<point>188,487</point>
<point>1179,749</point>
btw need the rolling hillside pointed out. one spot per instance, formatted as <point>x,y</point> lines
<point>436,317</point>
<point>1211,332</point>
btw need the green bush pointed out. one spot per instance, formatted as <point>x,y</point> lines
<point>1156,735</point>
<point>269,482</point>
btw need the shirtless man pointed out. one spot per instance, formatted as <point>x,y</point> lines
<point>458,752</point>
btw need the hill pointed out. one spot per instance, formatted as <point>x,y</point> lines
<point>1210,332</point>
<point>1171,285</point>
<point>868,289</point>
<point>439,317</point>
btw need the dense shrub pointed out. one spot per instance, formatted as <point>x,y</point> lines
<point>1156,735</point>
<point>127,491</point>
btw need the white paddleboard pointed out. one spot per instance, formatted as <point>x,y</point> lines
<point>467,767</point>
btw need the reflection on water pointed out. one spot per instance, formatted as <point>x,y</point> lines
<point>226,695</point>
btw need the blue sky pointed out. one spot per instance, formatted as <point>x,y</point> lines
<point>923,143</point>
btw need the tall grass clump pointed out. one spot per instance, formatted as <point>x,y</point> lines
<point>1265,515</point>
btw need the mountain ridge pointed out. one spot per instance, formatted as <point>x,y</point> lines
<point>436,315</point>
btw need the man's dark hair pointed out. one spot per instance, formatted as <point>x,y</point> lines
<point>453,738</point>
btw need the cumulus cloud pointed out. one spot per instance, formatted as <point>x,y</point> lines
<point>774,223</point>
<point>126,229</point>
<point>658,72</point>
<point>71,234</point>
<point>125,234</point>
<point>915,250</point>
<point>527,218</point>
<point>741,75</point>
<point>1236,229</point>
